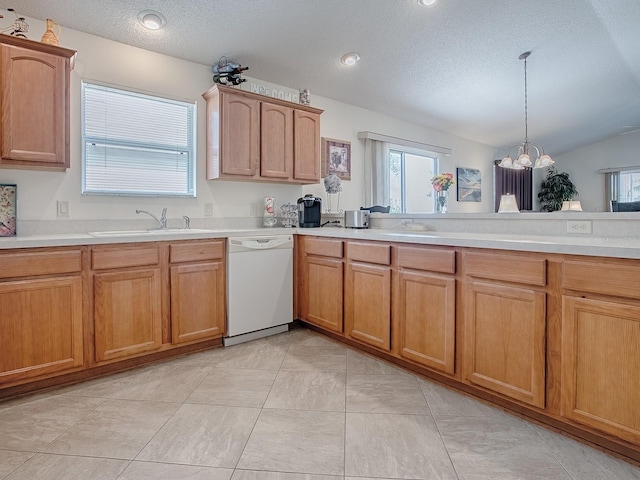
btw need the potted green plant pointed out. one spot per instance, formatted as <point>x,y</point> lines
<point>556,188</point>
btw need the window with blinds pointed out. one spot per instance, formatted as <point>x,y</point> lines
<point>136,144</point>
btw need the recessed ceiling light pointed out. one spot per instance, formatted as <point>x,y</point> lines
<point>350,58</point>
<point>426,3</point>
<point>151,19</point>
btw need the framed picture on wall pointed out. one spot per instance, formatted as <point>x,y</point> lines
<point>469,182</point>
<point>8,210</point>
<point>336,158</point>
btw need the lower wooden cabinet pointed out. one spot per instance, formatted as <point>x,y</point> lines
<point>321,298</point>
<point>504,347</point>
<point>41,326</point>
<point>367,304</point>
<point>427,319</point>
<point>321,277</point>
<point>127,313</point>
<point>197,302</point>
<point>601,365</point>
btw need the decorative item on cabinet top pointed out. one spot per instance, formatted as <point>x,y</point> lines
<point>18,28</point>
<point>227,72</point>
<point>50,37</point>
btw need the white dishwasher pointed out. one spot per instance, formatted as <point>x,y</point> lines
<point>259,287</point>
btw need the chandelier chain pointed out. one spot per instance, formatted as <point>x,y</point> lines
<point>526,123</point>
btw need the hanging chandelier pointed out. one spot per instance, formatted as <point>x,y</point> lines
<point>523,152</point>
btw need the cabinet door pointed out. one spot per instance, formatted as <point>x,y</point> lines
<point>321,292</point>
<point>276,141</point>
<point>197,302</point>
<point>127,313</point>
<point>601,365</point>
<point>40,327</point>
<point>427,318</point>
<point>34,108</point>
<point>368,304</point>
<point>240,135</point>
<point>306,146</point>
<point>504,348</point>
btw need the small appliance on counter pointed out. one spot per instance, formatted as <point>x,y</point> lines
<point>309,211</point>
<point>356,219</point>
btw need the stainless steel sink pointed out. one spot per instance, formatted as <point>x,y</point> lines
<point>151,231</point>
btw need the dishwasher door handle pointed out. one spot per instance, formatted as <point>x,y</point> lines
<point>260,243</point>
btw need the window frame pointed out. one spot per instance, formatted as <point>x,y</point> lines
<point>191,148</point>
<point>403,150</point>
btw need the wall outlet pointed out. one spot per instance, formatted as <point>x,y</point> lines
<point>208,209</point>
<point>579,226</point>
<point>253,209</point>
<point>63,208</point>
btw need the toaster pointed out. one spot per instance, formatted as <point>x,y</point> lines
<point>356,219</point>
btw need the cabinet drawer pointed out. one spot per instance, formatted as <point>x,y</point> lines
<point>40,263</point>
<point>369,253</point>
<point>430,259</point>
<point>323,247</point>
<point>102,259</point>
<point>607,279</point>
<point>193,252</point>
<point>508,268</point>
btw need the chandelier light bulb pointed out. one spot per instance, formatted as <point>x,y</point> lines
<point>524,160</point>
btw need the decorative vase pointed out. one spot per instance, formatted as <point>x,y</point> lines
<point>269,214</point>
<point>441,201</point>
<point>50,37</point>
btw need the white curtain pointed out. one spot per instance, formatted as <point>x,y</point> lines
<point>376,173</point>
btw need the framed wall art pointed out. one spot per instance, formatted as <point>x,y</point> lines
<point>336,158</point>
<point>469,184</point>
<point>8,210</point>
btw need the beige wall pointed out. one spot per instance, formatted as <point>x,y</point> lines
<point>583,164</point>
<point>122,65</point>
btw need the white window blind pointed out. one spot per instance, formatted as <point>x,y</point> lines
<point>136,144</point>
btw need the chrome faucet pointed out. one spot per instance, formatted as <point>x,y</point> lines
<point>187,222</point>
<point>162,221</point>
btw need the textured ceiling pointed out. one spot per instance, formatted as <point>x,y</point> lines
<point>452,66</point>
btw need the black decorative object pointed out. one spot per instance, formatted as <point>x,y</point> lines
<point>227,72</point>
<point>18,28</point>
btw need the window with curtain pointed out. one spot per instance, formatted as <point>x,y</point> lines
<point>514,182</point>
<point>622,189</point>
<point>410,190</point>
<point>398,173</point>
<point>136,144</point>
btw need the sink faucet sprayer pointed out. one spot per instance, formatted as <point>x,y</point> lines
<point>162,221</point>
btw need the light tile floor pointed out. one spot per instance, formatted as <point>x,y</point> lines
<point>290,407</point>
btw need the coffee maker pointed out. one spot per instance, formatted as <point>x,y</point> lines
<point>309,211</point>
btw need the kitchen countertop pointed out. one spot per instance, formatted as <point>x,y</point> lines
<point>621,247</point>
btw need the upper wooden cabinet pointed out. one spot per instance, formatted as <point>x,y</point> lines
<point>34,104</point>
<point>253,137</point>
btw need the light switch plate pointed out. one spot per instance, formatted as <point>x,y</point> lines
<point>63,208</point>
<point>579,226</point>
<point>208,209</point>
